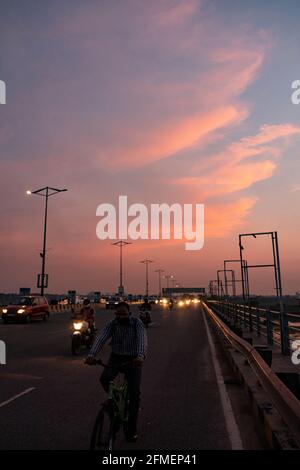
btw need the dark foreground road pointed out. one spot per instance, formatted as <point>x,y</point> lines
<point>181,405</point>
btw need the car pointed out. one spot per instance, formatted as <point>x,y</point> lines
<point>31,307</point>
<point>111,302</point>
<point>152,299</point>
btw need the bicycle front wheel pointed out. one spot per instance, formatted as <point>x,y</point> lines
<point>103,432</point>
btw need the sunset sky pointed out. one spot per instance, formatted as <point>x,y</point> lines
<point>170,101</point>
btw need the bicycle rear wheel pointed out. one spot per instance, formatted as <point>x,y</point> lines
<point>103,432</point>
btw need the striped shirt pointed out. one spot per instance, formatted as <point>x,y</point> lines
<point>129,340</point>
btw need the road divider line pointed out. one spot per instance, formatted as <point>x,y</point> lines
<point>230,421</point>
<point>7,402</point>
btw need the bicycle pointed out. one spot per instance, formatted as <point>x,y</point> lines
<point>112,415</point>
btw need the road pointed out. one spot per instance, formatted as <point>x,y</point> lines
<point>49,399</point>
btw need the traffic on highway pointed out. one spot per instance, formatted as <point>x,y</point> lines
<point>47,388</point>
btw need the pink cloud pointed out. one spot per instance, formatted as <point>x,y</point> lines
<point>143,82</point>
<point>176,12</point>
<point>208,102</point>
<point>168,138</point>
<point>241,164</point>
<point>223,219</point>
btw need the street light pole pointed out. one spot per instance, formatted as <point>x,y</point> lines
<point>159,271</point>
<point>121,243</point>
<point>44,242</point>
<point>46,192</point>
<point>146,262</point>
<point>168,277</point>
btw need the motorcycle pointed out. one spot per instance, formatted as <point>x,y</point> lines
<point>145,316</point>
<point>82,335</point>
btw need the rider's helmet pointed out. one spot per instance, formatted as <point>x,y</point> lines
<point>86,302</point>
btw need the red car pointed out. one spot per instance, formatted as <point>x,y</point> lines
<point>26,309</point>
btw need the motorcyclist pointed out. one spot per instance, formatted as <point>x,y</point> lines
<point>87,313</point>
<point>145,310</point>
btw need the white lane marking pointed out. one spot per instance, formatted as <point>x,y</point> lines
<point>231,424</point>
<point>4,403</point>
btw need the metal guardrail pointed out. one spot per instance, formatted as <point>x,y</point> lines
<point>283,399</point>
<point>261,321</point>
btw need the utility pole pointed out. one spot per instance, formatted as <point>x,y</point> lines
<point>147,262</point>
<point>168,277</point>
<point>284,326</point>
<point>159,271</point>
<point>46,193</point>
<point>120,244</point>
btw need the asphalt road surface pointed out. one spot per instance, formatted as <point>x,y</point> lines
<point>49,399</point>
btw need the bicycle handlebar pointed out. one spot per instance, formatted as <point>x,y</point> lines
<point>99,362</point>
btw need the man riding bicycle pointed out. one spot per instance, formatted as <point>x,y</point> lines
<point>129,346</point>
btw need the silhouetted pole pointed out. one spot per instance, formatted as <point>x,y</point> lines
<point>45,192</point>
<point>159,271</point>
<point>146,262</point>
<point>120,244</point>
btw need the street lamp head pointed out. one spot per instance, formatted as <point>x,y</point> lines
<point>28,192</point>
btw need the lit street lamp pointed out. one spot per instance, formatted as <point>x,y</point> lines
<point>46,192</point>
<point>168,277</point>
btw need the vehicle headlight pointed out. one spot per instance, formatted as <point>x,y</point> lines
<point>4,310</point>
<point>164,301</point>
<point>187,302</point>
<point>180,303</point>
<point>21,310</point>
<point>77,326</point>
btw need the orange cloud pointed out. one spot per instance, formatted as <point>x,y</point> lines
<point>169,113</point>
<point>170,138</point>
<point>223,219</point>
<point>233,170</point>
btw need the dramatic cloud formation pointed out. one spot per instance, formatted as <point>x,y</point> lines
<point>156,100</point>
<point>243,163</point>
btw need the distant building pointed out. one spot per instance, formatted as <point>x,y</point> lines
<point>179,291</point>
<point>24,291</point>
